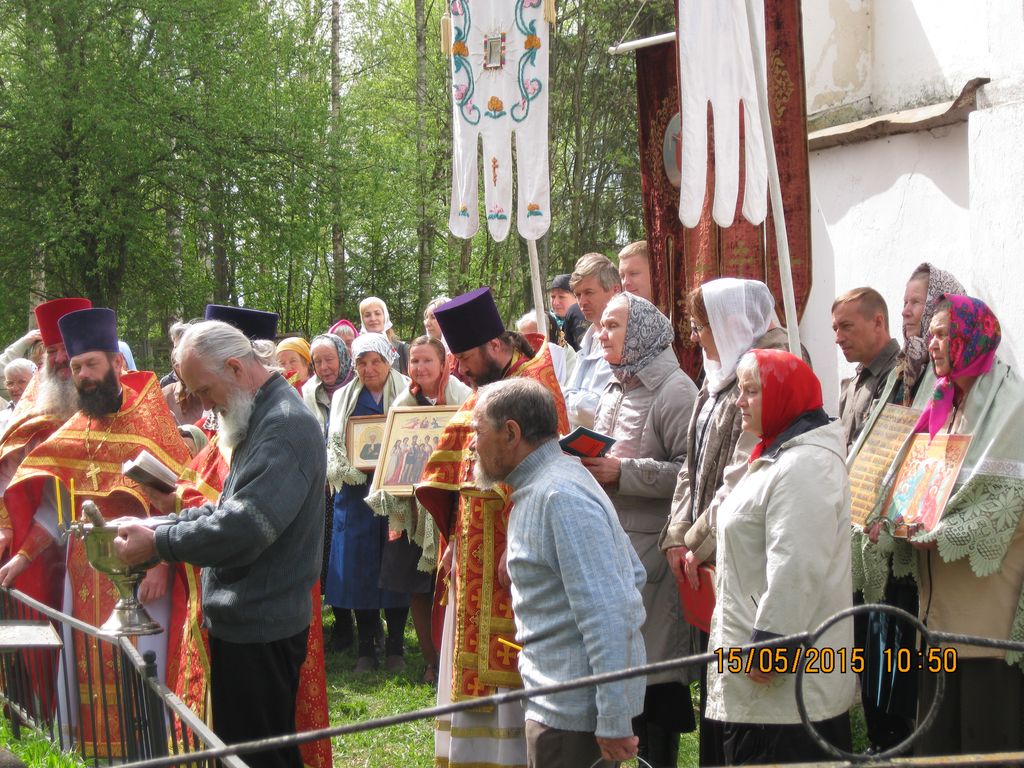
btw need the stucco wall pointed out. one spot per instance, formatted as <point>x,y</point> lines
<point>884,207</point>
<point>880,56</point>
<point>952,196</point>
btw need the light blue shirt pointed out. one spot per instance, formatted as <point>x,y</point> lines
<point>589,379</point>
<point>576,584</point>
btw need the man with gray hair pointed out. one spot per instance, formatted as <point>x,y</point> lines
<point>17,374</point>
<point>594,281</point>
<point>259,545</point>
<point>572,568</point>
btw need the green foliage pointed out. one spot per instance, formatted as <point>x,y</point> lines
<point>161,154</point>
<point>35,749</point>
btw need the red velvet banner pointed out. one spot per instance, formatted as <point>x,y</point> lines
<point>682,259</point>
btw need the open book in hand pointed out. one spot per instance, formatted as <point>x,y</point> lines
<point>146,469</point>
<point>585,442</point>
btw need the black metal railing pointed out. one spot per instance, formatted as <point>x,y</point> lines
<point>93,694</point>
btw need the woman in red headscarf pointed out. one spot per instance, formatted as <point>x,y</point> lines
<point>783,567</point>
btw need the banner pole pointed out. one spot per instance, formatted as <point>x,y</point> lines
<point>538,289</point>
<point>774,185</point>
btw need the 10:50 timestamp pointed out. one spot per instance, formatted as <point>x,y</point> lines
<point>829,660</point>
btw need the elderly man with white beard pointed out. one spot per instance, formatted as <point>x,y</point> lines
<point>48,402</point>
<point>259,546</point>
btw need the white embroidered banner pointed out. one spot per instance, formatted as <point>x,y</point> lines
<point>499,67</point>
<point>716,66</point>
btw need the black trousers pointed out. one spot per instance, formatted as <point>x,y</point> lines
<point>252,689</point>
<point>981,711</point>
<point>758,743</point>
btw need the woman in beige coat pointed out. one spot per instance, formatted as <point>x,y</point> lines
<point>646,408</point>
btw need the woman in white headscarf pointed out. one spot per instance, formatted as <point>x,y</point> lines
<point>358,536</point>
<point>728,317</point>
<point>375,318</point>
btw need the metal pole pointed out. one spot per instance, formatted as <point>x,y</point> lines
<point>645,42</point>
<point>774,185</point>
<point>538,289</point>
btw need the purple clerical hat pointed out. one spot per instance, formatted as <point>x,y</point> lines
<point>469,320</point>
<point>89,330</point>
<point>254,323</point>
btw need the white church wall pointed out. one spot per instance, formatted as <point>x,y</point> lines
<point>883,207</point>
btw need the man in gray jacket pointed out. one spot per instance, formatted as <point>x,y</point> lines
<point>259,546</point>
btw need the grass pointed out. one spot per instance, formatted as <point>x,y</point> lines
<point>356,698</point>
<point>35,749</point>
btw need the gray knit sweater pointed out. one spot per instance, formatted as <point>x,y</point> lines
<point>260,546</point>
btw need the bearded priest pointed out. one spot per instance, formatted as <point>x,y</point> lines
<point>119,415</point>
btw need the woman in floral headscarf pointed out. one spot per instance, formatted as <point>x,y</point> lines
<point>970,567</point>
<point>646,408</point>
<point>783,567</point>
<point>888,695</point>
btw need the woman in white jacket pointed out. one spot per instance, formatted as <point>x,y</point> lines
<point>783,567</point>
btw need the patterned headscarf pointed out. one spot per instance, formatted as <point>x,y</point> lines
<point>344,360</point>
<point>974,335</point>
<point>789,388</point>
<point>648,334</point>
<point>373,342</point>
<point>914,355</point>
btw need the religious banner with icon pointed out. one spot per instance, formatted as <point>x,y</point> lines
<point>683,258</point>
<point>499,70</point>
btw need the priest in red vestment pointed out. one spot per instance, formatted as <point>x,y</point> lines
<point>120,414</point>
<point>48,402</point>
<point>474,660</point>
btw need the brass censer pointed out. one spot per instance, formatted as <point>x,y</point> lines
<point>129,617</point>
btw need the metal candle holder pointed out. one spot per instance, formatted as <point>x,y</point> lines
<point>129,617</point>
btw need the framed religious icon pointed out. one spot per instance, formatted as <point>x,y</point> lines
<point>363,435</point>
<point>925,480</point>
<point>410,436</point>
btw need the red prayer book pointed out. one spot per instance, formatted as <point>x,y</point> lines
<point>698,604</point>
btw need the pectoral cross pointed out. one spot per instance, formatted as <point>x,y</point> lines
<point>92,474</point>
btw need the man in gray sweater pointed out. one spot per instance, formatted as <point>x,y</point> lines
<point>259,546</point>
<point>574,577</point>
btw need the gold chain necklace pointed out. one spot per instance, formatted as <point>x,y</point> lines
<point>94,469</point>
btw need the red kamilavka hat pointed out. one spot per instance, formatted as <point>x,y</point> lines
<point>49,312</point>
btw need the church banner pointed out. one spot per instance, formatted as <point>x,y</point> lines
<point>499,71</point>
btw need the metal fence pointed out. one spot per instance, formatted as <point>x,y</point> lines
<point>92,694</point>
<point>152,728</point>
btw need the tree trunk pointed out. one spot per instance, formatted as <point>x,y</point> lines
<point>425,228</point>
<point>337,233</point>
